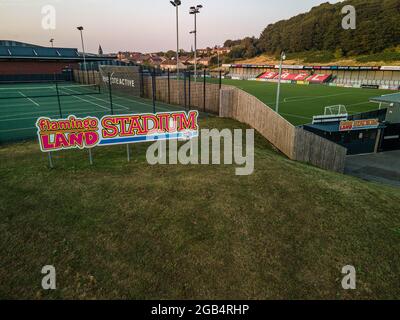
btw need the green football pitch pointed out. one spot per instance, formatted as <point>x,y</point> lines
<point>299,103</point>
<point>22,104</point>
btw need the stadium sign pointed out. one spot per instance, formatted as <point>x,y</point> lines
<point>289,66</point>
<point>358,125</point>
<point>89,132</point>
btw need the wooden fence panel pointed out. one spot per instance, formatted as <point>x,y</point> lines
<point>318,151</point>
<point>271,125</point>
<point>294,142</point>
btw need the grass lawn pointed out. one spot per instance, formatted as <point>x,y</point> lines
<point>299,103</point>
<point>131,230</point>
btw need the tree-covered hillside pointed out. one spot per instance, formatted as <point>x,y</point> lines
<point>377,29</point>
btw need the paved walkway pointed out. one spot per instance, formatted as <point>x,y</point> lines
<point>381,167</point>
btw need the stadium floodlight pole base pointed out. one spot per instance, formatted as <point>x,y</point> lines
<point>50,160</point>
<point>90,157</point>
<point>128,154</point>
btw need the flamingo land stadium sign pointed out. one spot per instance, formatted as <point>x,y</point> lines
<point>89,132</point>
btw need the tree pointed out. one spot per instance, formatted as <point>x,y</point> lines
<point>378,28</point>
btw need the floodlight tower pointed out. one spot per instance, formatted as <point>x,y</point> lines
<point>176,4</point>
<point>52,42</point>
<point>83,48</point>
<point>283,58</point>
<point>195,11</point>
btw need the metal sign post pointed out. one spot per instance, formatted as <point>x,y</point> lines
<point>90,157</point>
<point>128,153</point>
<point>50,160</point>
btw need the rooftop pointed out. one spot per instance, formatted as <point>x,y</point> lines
<point>388,98</point>
<point>18,50</point>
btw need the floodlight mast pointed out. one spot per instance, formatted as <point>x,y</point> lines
<point>176,4</point>
<point>195,11</point>
<point>283,57</point>
<point>52,42</point>
<point>83,48</point>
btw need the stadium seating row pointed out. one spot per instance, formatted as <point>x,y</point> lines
<point>238,76</point>
<point>315,78</point>
<point>347,78</point>
<point>367,82</point>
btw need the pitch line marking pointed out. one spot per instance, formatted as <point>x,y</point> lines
<point>293,99</point>
<point>19,129</point>
<point>143,103</point>
<point>119,105</point>
<point>52,113</point>
<point>16,115</point>
<point>22,129</point>
<point>91,102</point>
<point>51,103</point>
<point>34,102</point>
<point>48,112</point>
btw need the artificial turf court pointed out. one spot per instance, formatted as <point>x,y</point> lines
<point>22,104</point>
<point>299,103</point>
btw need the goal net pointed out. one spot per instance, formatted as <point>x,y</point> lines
<point>332,114</point>
<point>336,110</point>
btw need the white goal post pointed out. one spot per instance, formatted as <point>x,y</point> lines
<point>332,114</point>
<point>336,110</point>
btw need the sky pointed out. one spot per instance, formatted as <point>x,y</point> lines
<point>145,26</point>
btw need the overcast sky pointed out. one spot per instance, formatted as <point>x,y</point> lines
<point>146,26</point>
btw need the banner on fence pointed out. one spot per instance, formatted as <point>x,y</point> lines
<point>359,124</point>
<point>82,133</point>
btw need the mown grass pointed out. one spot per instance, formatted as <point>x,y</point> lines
<point>299,103</point>
<point>119,230</point>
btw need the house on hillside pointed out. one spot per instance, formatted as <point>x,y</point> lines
<point>184,59</point>
<point>205,61</point>
<point>156,60</point>
<point>171,65</point>
<point>204,52</point>
<point>221,50</point>
<point>191,61</point>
